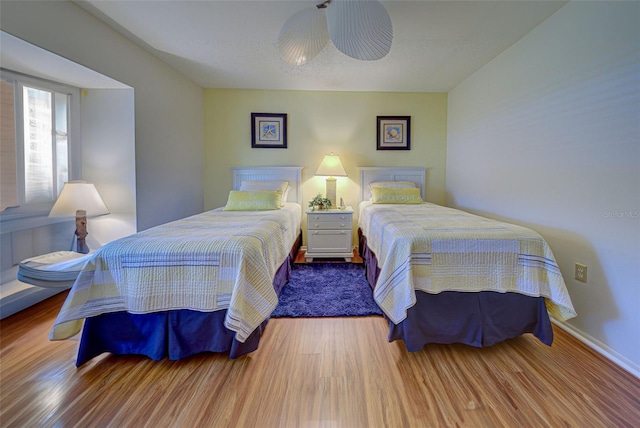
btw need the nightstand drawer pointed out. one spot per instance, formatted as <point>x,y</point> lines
<point>329,241</point>
<point>329,217</point>
<point>324,225</point>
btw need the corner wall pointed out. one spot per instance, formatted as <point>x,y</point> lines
<point>108,160</point>
<point>169,123</point>
<point>547,135</point>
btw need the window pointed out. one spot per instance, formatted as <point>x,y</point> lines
<point>39,146</point>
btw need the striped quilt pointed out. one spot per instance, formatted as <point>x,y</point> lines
<point>208,262</point>
<point>432,248</point>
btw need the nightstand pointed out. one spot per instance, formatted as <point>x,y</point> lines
<point>329,234</point>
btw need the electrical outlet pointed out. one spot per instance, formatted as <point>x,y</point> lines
<point>581,272</point>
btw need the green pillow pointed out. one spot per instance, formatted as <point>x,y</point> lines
<point>257,200</point>
<point>385,195</point>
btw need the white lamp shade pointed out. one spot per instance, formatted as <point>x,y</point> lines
<point>331,166</point>
<point>78,195</point>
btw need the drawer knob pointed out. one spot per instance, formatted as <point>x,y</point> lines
<point>342,225</point>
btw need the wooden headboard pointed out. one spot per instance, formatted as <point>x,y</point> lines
<point>292,174</point>
<point>372,174</point>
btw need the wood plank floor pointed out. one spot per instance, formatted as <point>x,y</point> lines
<point>331,372</point>
<point>300,259</point>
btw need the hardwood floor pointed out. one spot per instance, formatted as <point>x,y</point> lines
<point>300,259</point>
<point>331,372</point>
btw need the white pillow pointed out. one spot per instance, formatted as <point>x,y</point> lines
<point>250,185</point>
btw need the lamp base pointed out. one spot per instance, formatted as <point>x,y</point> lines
<point>331,190</point>
<point>82,247</point>
<point>81,232</point>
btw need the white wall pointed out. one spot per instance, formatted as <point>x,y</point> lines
<point>547,135</point>
<point>108,160</point>
<point>169,123</point>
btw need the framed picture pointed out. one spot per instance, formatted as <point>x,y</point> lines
<point>269,130</point>
<point>394,133</point>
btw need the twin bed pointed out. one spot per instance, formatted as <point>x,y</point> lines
<point>208,283</point>
<point>442,275</point>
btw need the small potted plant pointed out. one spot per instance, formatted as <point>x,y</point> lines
<point>320,203</point>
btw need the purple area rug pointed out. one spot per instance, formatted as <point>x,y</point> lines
<point>326,290</point>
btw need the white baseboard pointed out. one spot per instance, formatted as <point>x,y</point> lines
<point>601,348</point>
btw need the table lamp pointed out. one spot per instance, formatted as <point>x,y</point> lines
<point>331,167</point>
<point>79,199</point>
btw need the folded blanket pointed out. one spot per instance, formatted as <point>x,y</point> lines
<point>56,266</point>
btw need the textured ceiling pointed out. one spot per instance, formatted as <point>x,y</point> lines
<point>233,44</point>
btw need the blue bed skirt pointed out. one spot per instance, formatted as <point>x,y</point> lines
<point>172,334</point>
<point>477,319</point>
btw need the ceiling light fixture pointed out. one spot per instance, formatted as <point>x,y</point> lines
<point>360,29</point>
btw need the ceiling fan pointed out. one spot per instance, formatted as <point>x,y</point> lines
<point>360,29</point>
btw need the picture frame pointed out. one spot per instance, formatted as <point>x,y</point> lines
<point>269,130</point>
<point>394,132</point>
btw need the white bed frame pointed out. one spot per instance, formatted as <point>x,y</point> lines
<point>372,174</point>
<point>292,174</point>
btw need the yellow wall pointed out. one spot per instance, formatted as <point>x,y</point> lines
<point>319,123</point>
